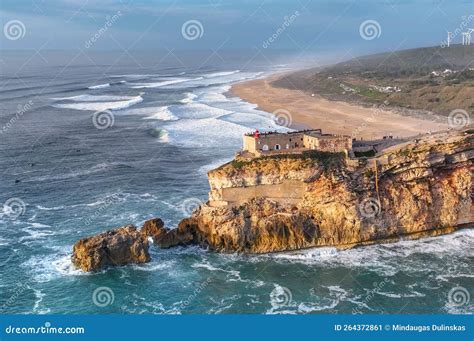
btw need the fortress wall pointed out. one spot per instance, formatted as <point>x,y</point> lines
<point>266,142</point>
<point>335,144</point>
<point>286,193</point>
<point>292,141</point>
<point>250,144</point>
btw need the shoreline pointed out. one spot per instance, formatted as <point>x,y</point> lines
<point>303,111</point>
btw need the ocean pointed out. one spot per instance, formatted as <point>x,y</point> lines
<point>95,141</point>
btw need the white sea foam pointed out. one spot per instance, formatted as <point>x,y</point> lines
<point>394,295</point>
<point>94,98</point>
<point>100,86</point>
<point>199,111</point>
<point>189,98</point>
<point>39,225</point>
<point>39,295</point>
<point>100,106</point>
<point>318,303</point>
<point>207,266</point>
<point>162,83</point>
<point>308,255</point>
<point>216,80</point>
<point>36,231</point>
<point>202,132</point>
<point>253,120</point>
<point>385,258</point>
<point>208,116</point>
<point>154,266</point>
<point>162,114</point>
<point>44,268</point>
<point>220,74</point>
<point>34,234</point>
<point>64,266</point>
<point>133,76</point>
<point>214,94</point>
<point>164,136</point>
<point>233,275</point>
<point>54,208</point>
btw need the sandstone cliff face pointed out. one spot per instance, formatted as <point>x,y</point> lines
<point>419,189</point>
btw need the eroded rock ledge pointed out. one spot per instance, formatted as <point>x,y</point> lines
<point>421,188</point>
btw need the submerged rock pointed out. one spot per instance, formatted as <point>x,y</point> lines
<point>122,246</point>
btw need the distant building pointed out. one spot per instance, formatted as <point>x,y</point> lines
<point>259,144</point>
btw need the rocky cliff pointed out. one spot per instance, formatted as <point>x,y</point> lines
<point>421,188</point>
<point>287,202</point>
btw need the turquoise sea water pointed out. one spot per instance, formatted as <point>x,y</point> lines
<point>64,178</point>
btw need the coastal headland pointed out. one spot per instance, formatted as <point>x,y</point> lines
<point>378,161</point>
<point>281,202</point>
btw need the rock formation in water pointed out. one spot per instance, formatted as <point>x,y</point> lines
<point>165,238</point>
<point>288,202</point>
<point>154,228</point>
<point>122,246</point>
<point>421,188</point>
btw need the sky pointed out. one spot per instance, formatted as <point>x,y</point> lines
<point>296,25</point>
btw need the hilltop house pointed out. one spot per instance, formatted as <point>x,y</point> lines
<point>270,143</point>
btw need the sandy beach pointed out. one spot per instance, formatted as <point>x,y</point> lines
<point>331,116</point>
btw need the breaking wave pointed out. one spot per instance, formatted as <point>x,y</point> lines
<point>100,86</point>
<point>100,106</point>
